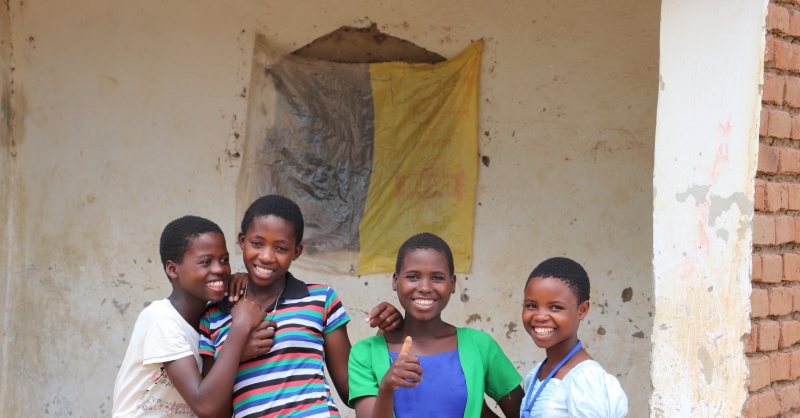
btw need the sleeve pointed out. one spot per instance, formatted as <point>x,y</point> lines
<point>165,340</point>
<point>360,375</point>
<point>593,393</point>
<point>501,377</point>
<point>207,347</point>
<point>334,314</point>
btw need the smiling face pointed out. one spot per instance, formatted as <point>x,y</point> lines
<point>424,284</point>
<point>204,268</point>
<point>269,247</point>
<point>551,313</point>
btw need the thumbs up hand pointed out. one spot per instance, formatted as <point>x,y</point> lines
<point>405,370</point>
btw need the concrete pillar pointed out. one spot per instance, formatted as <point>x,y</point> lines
<point>705,159</point>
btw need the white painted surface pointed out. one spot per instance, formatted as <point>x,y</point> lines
<point>705,159</point>
<point>132,114</point>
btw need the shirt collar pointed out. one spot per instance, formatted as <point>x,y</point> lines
<point>295,289</point>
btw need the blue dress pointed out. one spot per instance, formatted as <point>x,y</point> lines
<point>442,393</point>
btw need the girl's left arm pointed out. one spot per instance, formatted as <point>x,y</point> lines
<point>510,403</point>
<point>337,352</point>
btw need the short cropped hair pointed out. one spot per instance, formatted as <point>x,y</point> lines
<point>279,206</point>
<point>566,270</point>
<point>425,241</point>
<point>177,237</point>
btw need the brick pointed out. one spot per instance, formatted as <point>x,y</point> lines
<point>794,196</point>
<point>770,50</point>
<point>771,268</point>
<point>767,159</point>
<point>759,303</point>
<point>760,202</point>
<point>778,19</point>
<point>791,91</point>
<point>794,373</point>
<point>757,275</point>
<point>751,407</point>
<point>784,229</point>
<point>794,55</point>
<point>769,333</point>
<point>790,332</point>
<point>788,397</point>
<point>783,55</point>
<point>795,298</point>
<point>791,267</point>
<point>796,229</point>
<point>788,160</point>
<point>780,124</point>
<point>780,300</point>
<point>768,405</point>
<point>794,23</point>
<point>776,197</point>
<point>752,340</point>
<point>759,372</point>
<point>779,366</point>
<point>795,134</point>
<point>763,122</point>
<point>773,89</point>
<point>763,230</point>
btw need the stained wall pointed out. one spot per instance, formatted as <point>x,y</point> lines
<point>132,114</point>
<point>703,220</point>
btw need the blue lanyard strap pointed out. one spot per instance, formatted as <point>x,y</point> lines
<point>532,399</point>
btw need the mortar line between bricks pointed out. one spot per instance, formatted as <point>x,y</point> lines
<point>787,248</point>
<point>782,73</point>
<point>780,142</point>
<point>778,179</point>
<point>778,385</point>
<point>787,4</point>
<point>792,111</point>
<point>785,108</point>
<point>768,285</point>
<point>793,316</point>
<point>785,212</point>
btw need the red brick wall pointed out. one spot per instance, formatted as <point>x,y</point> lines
<point>773,348</point>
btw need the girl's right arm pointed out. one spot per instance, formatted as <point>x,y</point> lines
<point>204,396</point>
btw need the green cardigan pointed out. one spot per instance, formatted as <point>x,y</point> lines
<point>486,368</point>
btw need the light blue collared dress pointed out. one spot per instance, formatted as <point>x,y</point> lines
<point>587,391</point>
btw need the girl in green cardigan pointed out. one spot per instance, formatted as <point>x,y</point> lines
<point>459,364</point>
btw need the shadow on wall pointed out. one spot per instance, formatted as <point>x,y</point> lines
<point>352,45</point>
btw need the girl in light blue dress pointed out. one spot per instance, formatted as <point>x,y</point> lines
<point>568,383</point>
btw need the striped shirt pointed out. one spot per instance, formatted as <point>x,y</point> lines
<point>288,381</point>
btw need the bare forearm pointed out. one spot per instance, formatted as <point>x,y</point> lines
<point>384,404</point>
<point>210,396</point>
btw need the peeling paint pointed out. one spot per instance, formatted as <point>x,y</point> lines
<point>706,363</point>
<point>706,142</point>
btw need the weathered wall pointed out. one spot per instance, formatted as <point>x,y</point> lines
<point>706,141</point>
<point>772,348</point>
<point>6,171</point>
<point>133,117</point>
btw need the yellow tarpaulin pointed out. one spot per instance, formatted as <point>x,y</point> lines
<point>425,165</point>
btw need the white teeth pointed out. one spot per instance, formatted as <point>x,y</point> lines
<point>216,285</point>
<point>423,302</point>
<point>543,331</point>
<point>263,270</point>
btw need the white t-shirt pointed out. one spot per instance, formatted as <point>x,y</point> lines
<point>143,388</point>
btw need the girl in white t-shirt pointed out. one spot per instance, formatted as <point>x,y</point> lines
<point>568,383</point>
<point>160,375</point>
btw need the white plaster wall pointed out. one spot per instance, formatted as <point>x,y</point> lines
<point>705,160</point>
<point>133,111</point>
